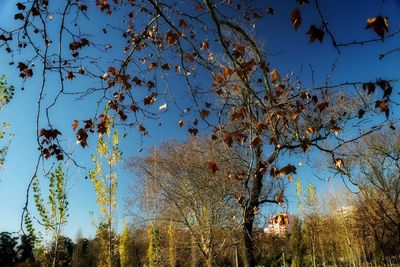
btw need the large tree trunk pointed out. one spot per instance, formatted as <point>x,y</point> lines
<point>247,230</point>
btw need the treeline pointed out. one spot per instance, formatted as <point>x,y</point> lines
<point>340,236</point>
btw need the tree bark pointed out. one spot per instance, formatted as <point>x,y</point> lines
<point>248,254</point>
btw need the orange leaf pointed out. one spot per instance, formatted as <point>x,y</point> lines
<point>75,125</point>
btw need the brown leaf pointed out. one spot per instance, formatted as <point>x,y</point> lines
<point>204,114</point>
<point>270,10</point>
<point>322,106</point>
<point>148,100</point>
<point>379,24</point>
<point>166,66</point>
<point>288,169</point>
<point>383,106</point>
<point>204,45</point>
<point>183,23</point>
<point>82,136</point>
<point>228,139</point>
<point>370,87</point>
<point>70,75</point>
<point>275,77</point>
<point>315,33</point>
<point>193,131</point>
<point>256,141</point>
<point>279,197</point>
<point>181,123</point>
<point>21,6</point>
<point>212,166</point>
<point>89,125</point>
<point>142,129</point>
<point>361,113</point>
<point>295,18</point>
<point>75,125</point>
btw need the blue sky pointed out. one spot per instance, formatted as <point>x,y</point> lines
<point>290,52</point>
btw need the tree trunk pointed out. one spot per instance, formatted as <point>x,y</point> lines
<point>248,255</point>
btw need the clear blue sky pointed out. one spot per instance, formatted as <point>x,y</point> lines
<point>290,51</point>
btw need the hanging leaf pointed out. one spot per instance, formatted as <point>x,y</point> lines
<point>379,24</point>
<point>275,77</point>
<point>295,18</point>
<point>75,125</point>
<point>81,137</point>
<point>315,33</point>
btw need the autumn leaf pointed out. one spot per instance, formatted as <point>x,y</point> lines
<point>204,45</point>
<point>228,139</point>
<point>193,131</point>
<point>295,18</point>
<point>181,123</point>
<point>315,33</point>
<point>183,23</point>
<point>256,211</point>
<point>322,106</point>
<point>89,125</point>
<point>361,113</point>
<point>148,100</point>
<point>383,106</point>
<point>288,169</point>
<point>70,75</point>
<point>142,129</point>
<point>379,24</point>
<point>310,131</point>
<point>20,6</point>
<point>166,66</point>
<point>279,197</point>
<point>212,166</point>
<point>270,11</point>
<point>199,8</point>
<point>75,125</point>
<point>339,163</point>
<point>275,77</point>
<point>239,198</point>
<point>227,72</point>
<point>82,136</point>
<point>370,87</point>
<point>256,141</point>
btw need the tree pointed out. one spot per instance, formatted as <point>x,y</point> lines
<point>25,250</point>
<point>187,183</point>
<point>246,101</point>
<point>126,247</point>
<point>8,254</point>
<point>53,213</point>
<point>105,185</point>
<point>297,244</point>
<point>373,166</point>
<point>154,250</point>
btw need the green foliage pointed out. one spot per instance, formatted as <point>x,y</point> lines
<point>104,180</point>
<point>54,212</point>
<point>126,248</point>
<point>6,95</point>
<point>154,249</point>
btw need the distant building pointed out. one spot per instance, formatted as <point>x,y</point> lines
<point>280,224</point>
